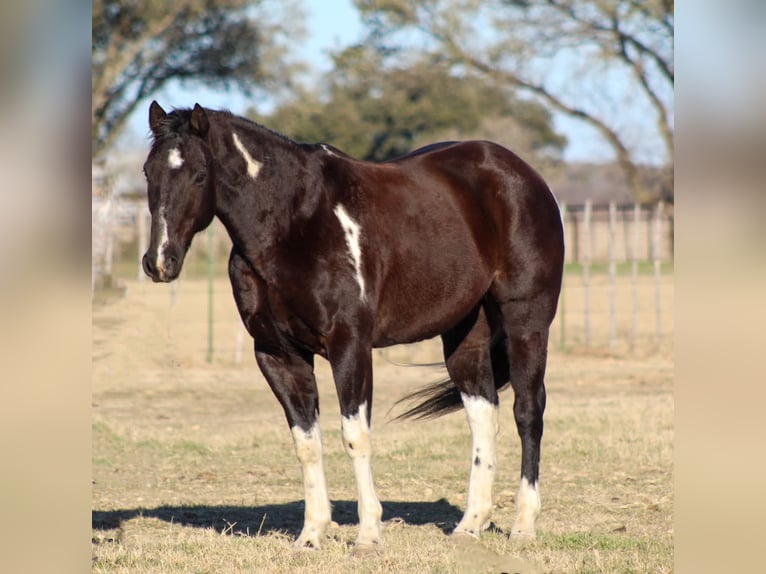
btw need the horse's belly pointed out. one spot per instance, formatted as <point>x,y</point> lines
<point>436,263</point>
<point>420,307</point>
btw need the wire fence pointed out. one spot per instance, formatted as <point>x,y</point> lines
<point>617,295</point>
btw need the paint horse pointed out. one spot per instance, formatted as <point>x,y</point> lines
<point>333,256</point>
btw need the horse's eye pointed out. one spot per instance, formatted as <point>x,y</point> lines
<point>200,177</point>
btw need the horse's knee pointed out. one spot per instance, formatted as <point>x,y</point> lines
<point>529,417</point>
<point>355,432</point>
<point>308,444</point>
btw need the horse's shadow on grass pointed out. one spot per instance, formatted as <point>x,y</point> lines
<point>284,518</point>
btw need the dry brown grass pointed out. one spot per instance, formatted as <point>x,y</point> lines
<point>194,470</point>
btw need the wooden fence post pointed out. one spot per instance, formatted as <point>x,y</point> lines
<point>142,239</point>
<point>562,297</point>
<point>634,277</point>
<point>239,343</point>
<point>586,252</point>
<point>612,275</point>
<point>656,255</point>
<point>109,239</point>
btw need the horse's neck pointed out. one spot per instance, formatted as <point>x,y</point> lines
<point>256,206</point>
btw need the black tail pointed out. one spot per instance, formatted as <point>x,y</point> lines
<point>443,397</point>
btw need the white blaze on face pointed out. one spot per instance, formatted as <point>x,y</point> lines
<point>528,508</point>
<point>355,431</point>
<point>175,160</point>
<point>308,448</point>
<point>352,233</point>
<point>482,420</point>
<point>160,266</point>
<point>253,166</point>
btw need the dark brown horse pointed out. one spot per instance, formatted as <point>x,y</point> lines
<point>335,256</point>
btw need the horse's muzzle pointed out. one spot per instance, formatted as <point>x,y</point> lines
<point>164,273</point>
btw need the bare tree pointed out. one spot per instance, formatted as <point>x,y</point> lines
<point>140,45</point>
<point>521,43</point>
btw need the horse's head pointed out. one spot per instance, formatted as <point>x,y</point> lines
<point>180,187</point>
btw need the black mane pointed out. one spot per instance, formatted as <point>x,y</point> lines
<point>177,123</point>
<point>270,133</point>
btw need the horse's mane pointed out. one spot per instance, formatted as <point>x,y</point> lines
<point>177,123</point>
<point>264,131</point>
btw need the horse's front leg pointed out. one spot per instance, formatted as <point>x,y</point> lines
<point>292,380</point>
<point>290,374</point>
<point>351,360</point>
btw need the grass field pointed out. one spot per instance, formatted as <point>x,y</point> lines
<point>194,470</point>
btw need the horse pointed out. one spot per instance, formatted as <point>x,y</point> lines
<point>334,256</point>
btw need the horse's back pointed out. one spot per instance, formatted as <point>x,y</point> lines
<point>505,203</point>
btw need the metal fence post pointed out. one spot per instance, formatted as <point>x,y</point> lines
<point>210,273</point>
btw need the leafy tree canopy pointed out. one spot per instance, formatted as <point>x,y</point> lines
<point>140,45</point>
<point>377,112</point>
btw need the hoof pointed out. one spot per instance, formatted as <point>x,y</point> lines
<point>523,536</point>
<point>366,549</point>
<point>305,546</point>
<point>463,537</point>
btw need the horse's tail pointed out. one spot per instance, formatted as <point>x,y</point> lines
<point>443,397</point>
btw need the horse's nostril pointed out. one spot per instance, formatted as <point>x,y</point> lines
<point>148,266</point>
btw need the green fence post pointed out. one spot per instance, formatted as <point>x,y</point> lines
<point>210,270</point>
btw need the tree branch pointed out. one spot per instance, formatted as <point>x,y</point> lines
<point>663,123</point>
<point>624,159</point>
<point>593,25</point>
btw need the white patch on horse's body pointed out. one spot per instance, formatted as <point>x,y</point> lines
<point>482,420</point>
<point>253,165</point>
<point>160,265</point>
<point>528,508</point>
<point>328,150</point>
<point>308,448</point>
<point>355,431</point>
<point>352,232</point>
<point>175,160</point>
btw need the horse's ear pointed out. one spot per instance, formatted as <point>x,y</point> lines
<point>156,115</point>
<point>199,122</point>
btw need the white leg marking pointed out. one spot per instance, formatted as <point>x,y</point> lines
<point>352,232</point>
<point>482,420</point>
<point>253,165</point>
<point>160,265</point>
<point>174,158</point>
<point>308,448</point>
<point>355,431</point>
<point>528,508</point>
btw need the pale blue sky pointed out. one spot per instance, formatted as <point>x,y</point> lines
<point>332,24</point>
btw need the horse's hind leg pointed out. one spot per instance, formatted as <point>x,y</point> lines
<point>467,354</point>
<point>526,323</point>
